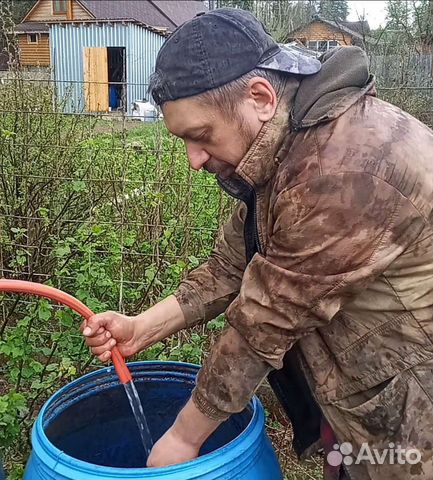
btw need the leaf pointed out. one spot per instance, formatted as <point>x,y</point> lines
<point>52,367</point>
<point>44,311</point>
<point>43,212</point>
<point>62,251</point>
<point>36,384</point>
<point>97,230</point>
<point>66,318</point>
<point>78,186</point>
<point>193,261</point>
<point>5,348</point>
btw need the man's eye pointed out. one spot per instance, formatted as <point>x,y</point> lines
<point>202,136</point>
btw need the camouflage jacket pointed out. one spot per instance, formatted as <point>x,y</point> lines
<point>330,248</point>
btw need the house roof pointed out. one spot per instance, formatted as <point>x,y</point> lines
<point>156,13</point>
<point>32,27</point>
<point>29,27</point>
<point>159,16</point>
<point>351,28</point>
<point>360,26</point>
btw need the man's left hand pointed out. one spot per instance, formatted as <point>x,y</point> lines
<point>171,449</point>
<point>182,442</point>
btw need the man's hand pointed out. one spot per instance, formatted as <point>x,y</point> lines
<point>182,442</point>
<point>171,449</point>
<point>105,330</point>
<point>132,334</point>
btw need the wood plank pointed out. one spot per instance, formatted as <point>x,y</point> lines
<point>78,12</point>
<point>96,79</point>
<point>69,15</point>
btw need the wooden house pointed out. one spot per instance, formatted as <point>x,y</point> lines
<point>100,52</point>
<point>320,34</point>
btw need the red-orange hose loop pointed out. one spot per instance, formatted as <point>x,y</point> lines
<point>32,288</point>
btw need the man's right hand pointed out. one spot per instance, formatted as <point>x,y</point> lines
<point>105,330</point>
<point>132,334</point>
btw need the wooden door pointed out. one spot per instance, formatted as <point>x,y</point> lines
<point>96,79</point>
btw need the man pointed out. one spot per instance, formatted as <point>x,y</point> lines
<point>326,266</point>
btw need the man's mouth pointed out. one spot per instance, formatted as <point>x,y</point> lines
<point>222,169</point>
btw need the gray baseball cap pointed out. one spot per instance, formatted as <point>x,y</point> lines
<point>217,47</point>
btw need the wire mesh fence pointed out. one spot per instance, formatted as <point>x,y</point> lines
<point>105,207</point>
<point>101,206</point>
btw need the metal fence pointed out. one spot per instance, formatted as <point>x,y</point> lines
<point>414,70</point>
<point>103,207</point>
<point>406,79</point>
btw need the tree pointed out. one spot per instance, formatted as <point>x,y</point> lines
<point>11,13</point>
<point>279,16</point>
<point>244,4</point>
<point>423,21</point>
<point>19,8</point>
<point>336,10</point>
<point>399,14</point>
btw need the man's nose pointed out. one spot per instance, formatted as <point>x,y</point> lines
<point>196,155</point>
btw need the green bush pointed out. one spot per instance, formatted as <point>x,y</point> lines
<point>114,218</point>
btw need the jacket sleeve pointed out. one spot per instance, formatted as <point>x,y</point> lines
<point>208,290</point>
<point>331,237</point>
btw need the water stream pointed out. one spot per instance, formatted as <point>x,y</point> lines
<point>140,418</point>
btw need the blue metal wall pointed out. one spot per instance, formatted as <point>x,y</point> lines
<point>68,41</point>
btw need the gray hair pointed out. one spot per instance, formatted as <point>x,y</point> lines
<point>227,97</point>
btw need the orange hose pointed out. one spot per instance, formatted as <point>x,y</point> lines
<point>32,288</point>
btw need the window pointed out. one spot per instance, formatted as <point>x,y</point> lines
<point>60,7</point>
<point>32,38</point>
<point>322,45</point>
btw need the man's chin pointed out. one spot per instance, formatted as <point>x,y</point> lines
<point>224,175</point>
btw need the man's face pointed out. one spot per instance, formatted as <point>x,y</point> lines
<point>212,141</point>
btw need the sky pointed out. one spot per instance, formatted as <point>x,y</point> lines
<point>374,12</point>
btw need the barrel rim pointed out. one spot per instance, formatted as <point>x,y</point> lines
<point>233,450</point>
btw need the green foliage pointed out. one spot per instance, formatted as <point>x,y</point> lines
<point>13,407</point>
<point>423,21</point>
<point>20,8</point>
<point>409,24</point>
<point>244,4</point>
<point>114,218</point>
<point>279,17</point>
<point>336,10</point>
<point>399,14</point>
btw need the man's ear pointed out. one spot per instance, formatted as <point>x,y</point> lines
<point>262,93</point>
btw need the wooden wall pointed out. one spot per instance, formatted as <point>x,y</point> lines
<point>34,54</point>
<point>43,11</point>
<point>322,31</point>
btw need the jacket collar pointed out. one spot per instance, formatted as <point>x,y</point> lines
<point>343,80</point>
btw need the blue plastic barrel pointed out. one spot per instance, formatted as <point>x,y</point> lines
<point>86,431</point>
<point>113,96</point>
